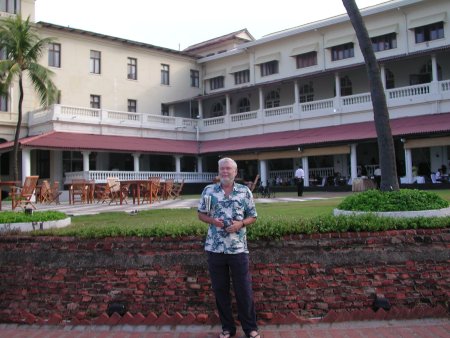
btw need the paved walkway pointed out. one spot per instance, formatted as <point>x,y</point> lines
<point>426,328</point>
<point>95,208</point>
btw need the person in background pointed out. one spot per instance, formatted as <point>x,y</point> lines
<point>377,175</point>
<point>228,208</point>
<point>299,179</point>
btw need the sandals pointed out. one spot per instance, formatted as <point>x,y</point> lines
<point>225,334</point>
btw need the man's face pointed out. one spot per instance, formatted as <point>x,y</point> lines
<point>227,173</point>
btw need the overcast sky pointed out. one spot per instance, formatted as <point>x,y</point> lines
<point>178,24</point>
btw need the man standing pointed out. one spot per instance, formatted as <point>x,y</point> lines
<point>228,208</point>
<point>299,179</point>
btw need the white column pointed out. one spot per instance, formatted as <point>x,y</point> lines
<point>434,68</point>
<point>177,164</point>
<point>408,166</point>
<point>199,164</point>
<point>26,163</point>
<point>337,82</point>
<point>200,108</point>
<point>383,75</point>
<point>227,104</point>
<point>263,171</point>
<point>85,160</point>
<point>296,93</point>
<point>305,166</point>
<point>136,161</point>
<point>261,98</point>
<point>353,162</point>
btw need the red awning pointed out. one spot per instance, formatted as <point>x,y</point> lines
<point>405,126</point>
<point>415,125</point>
<point>77,141</point>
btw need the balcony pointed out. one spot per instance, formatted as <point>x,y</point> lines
<point>423,99</point>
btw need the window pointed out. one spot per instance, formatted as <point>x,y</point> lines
<point>95,101</point>
<point>132,69</point>
<point>244,105</point>
<point>54,55</point>
<point>195,78</point>
<point>344,51</point>
<point>217,109</point>
<point>269,68</point>
<point>242,77</point>
<point>9,6</point>
<point>216,82</point>
<point>132,106</point>
<point>272,99</point>
<point>95,62</point>
<point>306,60</point>
<point>3,103</point>
<point>165,72</point>
<point>429,32</point>
<point>384,42</point>
<point>346,86</point>
<point>306,93</point>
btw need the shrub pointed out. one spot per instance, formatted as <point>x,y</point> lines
<point>402,200</point>
<point>7,217</point>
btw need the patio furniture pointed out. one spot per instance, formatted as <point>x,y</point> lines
<point>79,189</point>
<point>55,193</point>
<point>21,196</point>
<point>165,190</point>
<point>150,189</point>
<point>177,189</point>
<point>11,185</point>
<point>45,192</point>
<point>252,185</point>
<point>111,191</point>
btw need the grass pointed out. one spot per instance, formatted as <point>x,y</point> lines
<point>157,221</point>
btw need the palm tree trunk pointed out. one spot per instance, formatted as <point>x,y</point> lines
<point>17,134</point>
<point>386,150</point>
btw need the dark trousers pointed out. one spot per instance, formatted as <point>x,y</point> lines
<point>300,185</point>
<point>221,268</point>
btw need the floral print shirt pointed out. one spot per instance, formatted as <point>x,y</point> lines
<point>237,206</point>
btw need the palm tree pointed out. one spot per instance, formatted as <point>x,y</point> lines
<point>23,48</point>
<point>386,150</point>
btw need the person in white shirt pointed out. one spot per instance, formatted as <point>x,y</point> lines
<point>299,179</point>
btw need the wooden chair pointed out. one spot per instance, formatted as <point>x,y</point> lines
<point>150,189</point>
<point>21,196</point>
<point>45,193</point>
<point>177,189</point>
<point>111,191</point>
<point>166,189</point>
<point>252,185</point>
<point>54,193</point>
<point>79,189</point>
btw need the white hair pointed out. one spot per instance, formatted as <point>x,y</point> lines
<point>229,160</point>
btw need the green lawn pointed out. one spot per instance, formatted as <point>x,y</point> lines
<point>286,210</point>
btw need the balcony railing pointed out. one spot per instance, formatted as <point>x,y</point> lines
<point>318,113</point>
<point>100,176</point>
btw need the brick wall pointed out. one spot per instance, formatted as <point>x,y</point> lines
<point>166,280</point>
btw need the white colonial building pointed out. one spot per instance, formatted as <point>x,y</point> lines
<point>295,97</point>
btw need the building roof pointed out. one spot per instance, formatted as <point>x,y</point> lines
<point>418,126</point>
<point>220,39</point>
<point>79,142</point>
<point>115,39</point>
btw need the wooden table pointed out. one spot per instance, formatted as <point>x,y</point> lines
<point>135,186</point>
<point>90,189</point>
<point>12,185</point>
